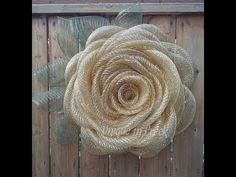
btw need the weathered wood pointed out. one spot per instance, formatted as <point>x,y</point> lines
<point>93,165</point>
<point>107,1</point>
<point>89,1</point>
<point>160,165</point>
<point>126,165</point>
<point>156,166</point>
<point>64,158</point>
<point>40,128</point>
<point>188,146</point>
<point>165,22</point>
<point>181,1</point>
<point>152,8</point>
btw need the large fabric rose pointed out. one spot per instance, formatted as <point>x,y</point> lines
<point>128,90</point>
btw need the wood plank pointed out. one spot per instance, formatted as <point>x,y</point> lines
<point>153,8</point>
<point>161,164</point>
<point>64,158</point>
<point>165,22</point>
<point>182,1</point>
<point>126,165</point>
<point>93,165</point>
<point>106,1</point>
<point>88,1</point>
<point>40,123</point>
<point>188,146</point>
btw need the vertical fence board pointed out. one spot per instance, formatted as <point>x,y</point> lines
<point>126,165</point>
<point>40,132</point>
<point>159,165</point>
<point>64,158</point>
<point>165,22</point>
<point>188,146</point>
<point>93,165</point>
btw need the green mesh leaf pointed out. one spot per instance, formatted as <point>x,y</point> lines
<point>129,17</point>
<point>51,100</point>
<point>66,131</point>
<point>85,25</point>
<point>65,37</point>
<point>52,73</point>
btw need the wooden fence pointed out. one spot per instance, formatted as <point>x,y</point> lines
<point>182,158</point>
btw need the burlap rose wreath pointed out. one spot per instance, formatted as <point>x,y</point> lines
<point>128,90</point>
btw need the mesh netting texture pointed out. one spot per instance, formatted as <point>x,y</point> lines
<point>128,90</point>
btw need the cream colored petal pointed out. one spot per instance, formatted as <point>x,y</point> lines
<point>183,63</point>
<point>103,33</point>
<point>188,112</point>
<point>158,137</point>
<point>71,67</point>
<point>154,30</point>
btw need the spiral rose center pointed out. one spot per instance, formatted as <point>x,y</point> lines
<point>128,95</point>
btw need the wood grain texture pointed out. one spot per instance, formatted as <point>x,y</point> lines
<point>160,165</point>
<point>112,8</point>
<point>93,165</point>
<point>106,1</point>
<point>64,158</point>
<point>40,130</point>
<point>165,22</point>
<point>188,146</point>
<point>80,1</point>
<point>125,165</point>
<point>181,1</point>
